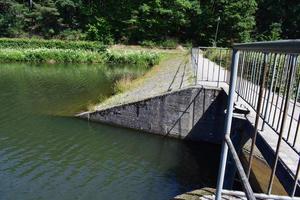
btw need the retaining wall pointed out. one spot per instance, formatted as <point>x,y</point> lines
<point>194,113</point>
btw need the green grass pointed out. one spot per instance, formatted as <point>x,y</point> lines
<point>133,57</point>
<point>60,51</point>
<point>45,55</point>
<point>50,56</point>
<point>25,43</point>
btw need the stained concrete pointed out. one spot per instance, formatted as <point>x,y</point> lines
<point>194,113</point>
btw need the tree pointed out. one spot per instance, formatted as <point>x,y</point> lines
<point>100,31</point>
<point>236,25</point>
<point>11,19</point>
<point>44,19</point>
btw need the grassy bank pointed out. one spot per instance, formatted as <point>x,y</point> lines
<point>50,56</point>
<point>45,55</point>
<point>58,51</point>
<point>25,43</point>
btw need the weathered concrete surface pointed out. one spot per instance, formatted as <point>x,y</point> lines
<point>206,194</point>
<point>173,73</point>
<point>194,113</point>
<point>209,194</point>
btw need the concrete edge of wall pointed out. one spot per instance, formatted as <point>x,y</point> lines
<point>83,114</point>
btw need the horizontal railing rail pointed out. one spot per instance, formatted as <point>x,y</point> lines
<point>265,75</point>
<point>286,46</point>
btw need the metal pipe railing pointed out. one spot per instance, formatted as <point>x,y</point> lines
<point>268,78</point>
<point>228,121</point>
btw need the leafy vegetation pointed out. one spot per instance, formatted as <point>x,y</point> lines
<point>58,44</point>
<point>133,57</point>
<point>166,44</point>
<point>50,55</point>
<point>220,56</point>
<point>151,22</point>
<point>54,55</point>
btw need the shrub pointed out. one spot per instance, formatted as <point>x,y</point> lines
<point>169,43</point>
<point>166,44</point>
<point>24,43</point>
<point>133,57</point>
<point>70,34</point>
<point>218,56</point>
<point>148,43</point>
<point>100,31</point>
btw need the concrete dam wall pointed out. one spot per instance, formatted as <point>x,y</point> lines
<point>194,113</point>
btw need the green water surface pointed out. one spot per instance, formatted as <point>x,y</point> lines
<point>46,154</point>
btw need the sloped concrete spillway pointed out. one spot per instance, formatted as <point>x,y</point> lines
<point>193,113</point>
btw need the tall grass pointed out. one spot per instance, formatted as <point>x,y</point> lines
<point>50,56</point>
<point>78,56</point>
<point>60,51</point>
<point>26,43</point>
<point>133,57</point>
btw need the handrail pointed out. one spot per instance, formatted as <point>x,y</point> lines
<point>265,72</point>
<point>287,46</point>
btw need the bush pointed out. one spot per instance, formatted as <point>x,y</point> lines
<point>58,44</point>
<point>133,57</point>
<point>148,43</point>
<point>100,31</point>
<point>218,56</point>
<point>169,43</point>
<point>166,44</point>
<point>70,34</point>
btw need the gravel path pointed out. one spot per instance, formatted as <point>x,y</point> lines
<point>172,73</point>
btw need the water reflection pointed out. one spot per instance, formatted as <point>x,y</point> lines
<point>49,157</point>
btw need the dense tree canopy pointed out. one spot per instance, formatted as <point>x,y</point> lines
<point>134,21</point>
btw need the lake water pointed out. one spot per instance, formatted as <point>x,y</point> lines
<point>46,154</point>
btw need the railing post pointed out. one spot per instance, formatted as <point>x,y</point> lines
<point>228,121</point>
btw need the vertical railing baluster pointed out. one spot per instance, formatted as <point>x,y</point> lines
<point>260,67</point>
<point>228,121</point>
<point>251,77</point>
<point>241,75</point>
<point>277,73</point>
<point>258,109</point>
<point>296,179</point>
<point>252,91</point>
<point>293,111</point>
<point>269,92</point>
<point>285,111</point>
<point>296,132</point>
<point>220,60</point>
<point>280,83</point>
<point>202,52</point>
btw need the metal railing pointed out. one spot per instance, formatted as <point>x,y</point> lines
<point>210,64</point>
<point>266,75</point>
